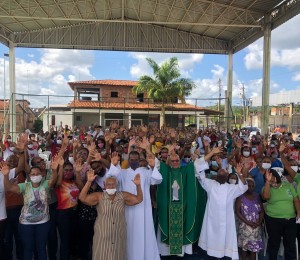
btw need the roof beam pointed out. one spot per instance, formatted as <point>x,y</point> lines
<point>134,21</point>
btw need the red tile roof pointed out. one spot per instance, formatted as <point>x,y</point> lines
<point>107,82</point>
<point>137,106</point>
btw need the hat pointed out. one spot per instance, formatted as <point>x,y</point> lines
<point>277,170</point>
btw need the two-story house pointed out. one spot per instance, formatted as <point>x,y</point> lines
<point>103,101</point>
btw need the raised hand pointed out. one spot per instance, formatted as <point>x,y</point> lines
<point>282,146</point>
<point>205,143</point>
<point>151,160</point>
<point>65,140</point>
<point>238,168</point>
<point>151,139</point>
<point>137,179</point>
<point>78,165</point>
<point>239,143</point>
<point>76,143</point>
<point>217,150</point>
<point>107,136</point>
<point>91,147</point>
<point>61,161</point>
<point>4,168</point>
<point>131,142</point>
<point>54,163</point>
<point>89,138</point>
<point>91,175</point>
<point>114,158</point>
<point>268,176</point>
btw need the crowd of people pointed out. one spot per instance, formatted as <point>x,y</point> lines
<point>148,193</point>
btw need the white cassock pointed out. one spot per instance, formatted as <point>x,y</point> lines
<point>218,234</point>
<point>141,239</point>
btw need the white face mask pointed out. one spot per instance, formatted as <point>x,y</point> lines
<point>58,141</point>
<point>232,181</point>
<point>36,178</point>
<point>71,159</point>
<point>266,166</point>
<point>295,168</point>
<point>9,140</point>
<point>30,146</point>
<point>187,160</point>
<point>12,148</point>
<point>214,163</point>
<point>111,191</point>
<point>246,153</point>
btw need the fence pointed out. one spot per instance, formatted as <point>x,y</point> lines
<point>56,110</point>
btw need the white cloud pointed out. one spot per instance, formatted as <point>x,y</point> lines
<point>186,62</point>
<point>296,76</point>
<point>285,51</point>
<point>49,74</point>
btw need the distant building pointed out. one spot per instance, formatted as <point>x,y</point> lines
<point>286,97</point>
<point>104,101</point>
<point>25,117</point>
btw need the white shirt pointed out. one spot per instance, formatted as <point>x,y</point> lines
<point>2,193</point>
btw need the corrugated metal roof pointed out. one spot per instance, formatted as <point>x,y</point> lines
<point>75,24</point>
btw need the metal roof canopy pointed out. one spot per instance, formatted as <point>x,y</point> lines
<point>182,26</point>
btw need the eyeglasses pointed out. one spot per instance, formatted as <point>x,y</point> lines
<point>174,161</point>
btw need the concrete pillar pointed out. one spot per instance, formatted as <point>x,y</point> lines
<point>100,118</point>
<point>198,121</point>
<point>291,111</point>
<point>129,120</point>
<point>229,90</point>
<point>12,91</point>
<point>266,79</point>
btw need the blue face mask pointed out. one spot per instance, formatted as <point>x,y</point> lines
<point>134,165</point>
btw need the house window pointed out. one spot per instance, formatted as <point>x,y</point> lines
<point>53,120</point>
<point>113,94</point>
<point>140,97</point>
<point>78,118</point>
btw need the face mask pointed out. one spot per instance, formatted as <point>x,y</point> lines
<point>134,165</point>
<point>232,181</point>
<point>295,168</point>
<point>111,191</point>
<point>118,140</point>
<point>187,160</point>
<point>84,145</point>
<point>71,160</point>
<point>246,153</point>
<point>158,144</point>
<point>274,156</point>
<point>12,148</point>
<point>9,140</point>
<point>214,163</point>
<point>266,166</point>
<point>36,179</point>
<point>68,175</point>
<point>59,141</point>
<point>30,146</point>
<point>100,145</point>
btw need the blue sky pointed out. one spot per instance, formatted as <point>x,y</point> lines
<point>47,71</point>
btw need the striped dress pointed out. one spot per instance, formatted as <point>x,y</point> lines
<point>110,229</point>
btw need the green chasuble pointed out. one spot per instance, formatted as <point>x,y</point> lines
<point>181,204</point>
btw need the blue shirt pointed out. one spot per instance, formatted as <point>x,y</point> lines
<point>276,163</point>
<point>258,179</point>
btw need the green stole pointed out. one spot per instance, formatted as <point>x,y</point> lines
<point>180,220</point>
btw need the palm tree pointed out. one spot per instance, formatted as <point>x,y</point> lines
<point>165,84</point>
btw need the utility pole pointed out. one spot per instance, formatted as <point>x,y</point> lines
<point>219,103</point>
<point>244,103</point>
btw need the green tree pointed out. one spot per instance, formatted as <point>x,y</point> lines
<point>165,84</point>
<point>38,125</point>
